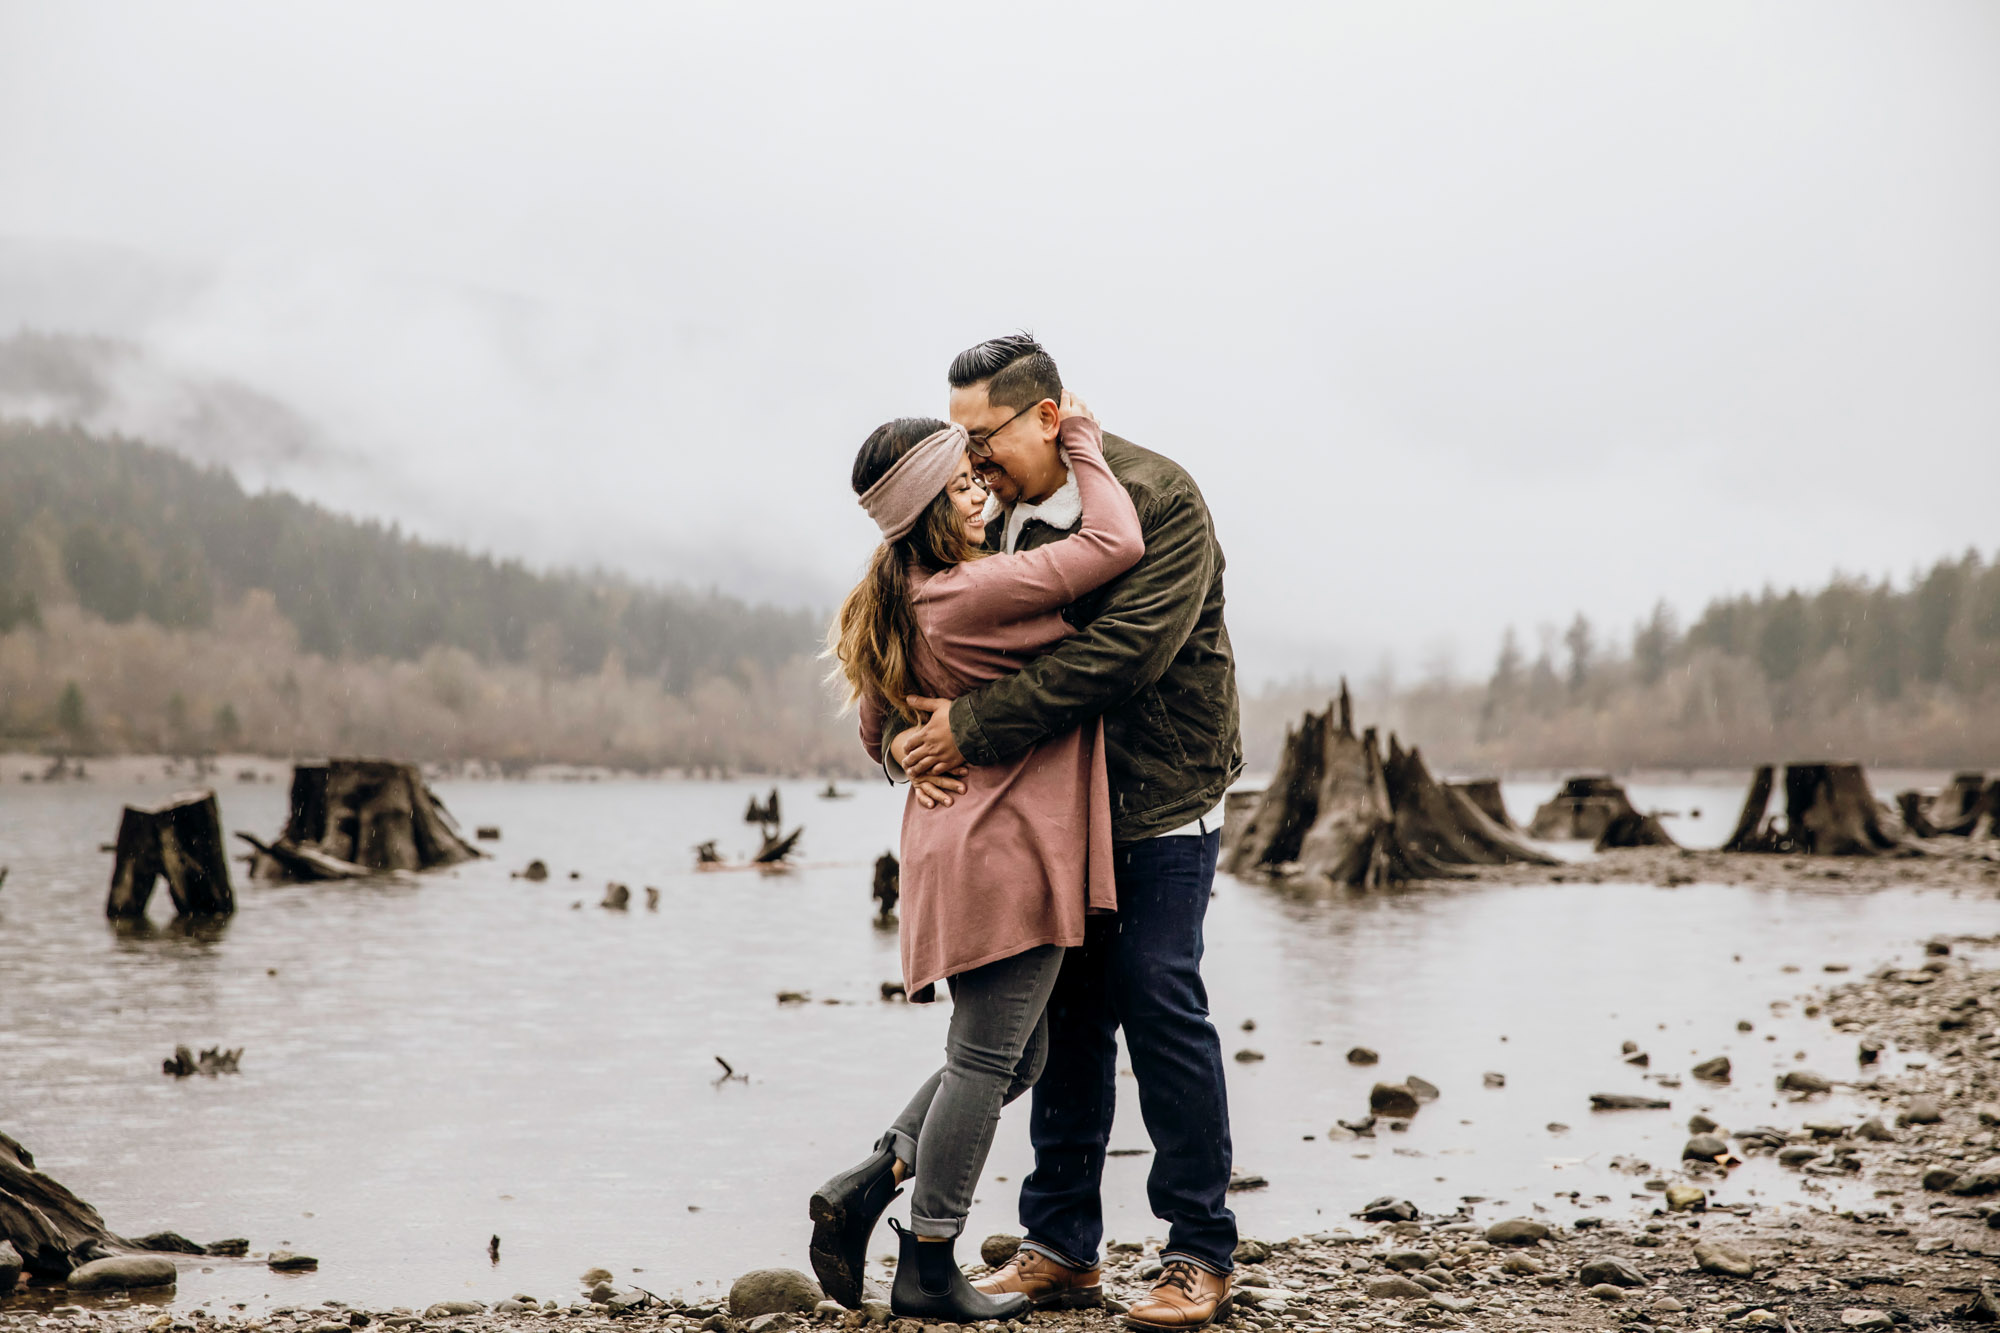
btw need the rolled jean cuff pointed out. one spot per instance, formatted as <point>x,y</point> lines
<point>1205,1265</point>
<point>939,1228</point>
<point>905,1148</point>
<point>1048,1251</point>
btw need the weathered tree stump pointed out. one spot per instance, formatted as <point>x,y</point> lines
<point>1829,811</point>
<point>1582,810</point>
<point>1632,829</point>
<point>888,887</point>
<point>1485,794</point>
<point>357,816</point>
<point>1335,810</point>
<point>763,812</point>
<point>181,840</point>
<point>1444,825</point>
<point>1752,832</point>
<point>52,1229</point>
<point>1954,812</point>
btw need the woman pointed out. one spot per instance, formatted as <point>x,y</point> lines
<point>997,885</point>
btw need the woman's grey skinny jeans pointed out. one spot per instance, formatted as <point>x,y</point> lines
<point>998,1043</point>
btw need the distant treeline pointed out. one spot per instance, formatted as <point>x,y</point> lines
<point>115,554</point>
<point>1858,669</point>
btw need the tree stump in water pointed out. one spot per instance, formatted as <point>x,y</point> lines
<point>1829,811</point>
<point>1955,812</point>
<point>353,816</point>
<point>1632,829</point>
<point>52,1229</point>
<point>1335,810</point>
<point>1582,810</point>
<point>181,840</point>
<point>1485,794</point>
<point>888,888</point>
<point>1752,832</point>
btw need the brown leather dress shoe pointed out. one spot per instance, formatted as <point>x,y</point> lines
<point>1047,1284</point>
<point>1186,1296</point>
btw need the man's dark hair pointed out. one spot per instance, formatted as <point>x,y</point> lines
<point>1022,374</point>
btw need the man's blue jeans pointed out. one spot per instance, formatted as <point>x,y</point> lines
<point>1142,969</point>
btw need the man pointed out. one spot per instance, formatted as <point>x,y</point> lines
<point>1151,657</point>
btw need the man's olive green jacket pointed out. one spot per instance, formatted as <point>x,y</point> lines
<point>1151,656</point>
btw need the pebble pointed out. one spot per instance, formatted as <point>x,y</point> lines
<point>1922,1110</point>
<point>998,1248</point>
<point>1494,1079</point>
<point>1804,1081</point>
<point>1392,1099</point>
<point>1686,1199</point>
<point>1248,1056</point>
<point>1611,1272</point>
<point>453,1309</point>
<point>1385,1288</point>
<point>1723,1260</point>
<point>1701,1124</point>
<point>1604,1291</point>
<point>1866,1320</point>
<point>284,1261</point>
<point>1704,1147</point>
<point>1517,1231</point>
<point>1361,1055</point>
<point>1716,1070</point>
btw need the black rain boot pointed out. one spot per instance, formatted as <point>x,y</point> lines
<point>930,1285</point>
<point>844,1212</point>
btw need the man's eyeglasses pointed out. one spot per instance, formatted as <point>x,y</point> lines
<point>981,445</point>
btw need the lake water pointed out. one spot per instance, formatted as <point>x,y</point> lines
<point>433,1062</point>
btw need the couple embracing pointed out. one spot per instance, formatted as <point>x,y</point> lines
<point>1038,647</point>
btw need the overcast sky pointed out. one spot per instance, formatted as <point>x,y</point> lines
<point>1462,314</point>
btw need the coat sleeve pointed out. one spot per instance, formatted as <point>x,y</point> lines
<point>1003,588</point>
<point>1147,617</point>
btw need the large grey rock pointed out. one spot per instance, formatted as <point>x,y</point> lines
<point>10,1267</point>
<point>1386,1288</point>
<point>1723,1260</point>
<point>1614,1272</point>
<point>1517,1231</point>
<point>774,1291</point>
<point>1388,1208</point>
<point>123,1272</point>
<point>1940,1178</point>
<point>453,1309</point>
<point>1410,1261</point>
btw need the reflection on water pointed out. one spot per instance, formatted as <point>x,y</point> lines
<point>429,1063</point>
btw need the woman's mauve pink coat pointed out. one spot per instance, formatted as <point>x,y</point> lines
<point>1024,854</point>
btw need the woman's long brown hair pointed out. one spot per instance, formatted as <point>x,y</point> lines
<point>876,639</point>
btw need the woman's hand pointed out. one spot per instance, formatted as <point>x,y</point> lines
<point>1072,406</point>
<point>934,792</point>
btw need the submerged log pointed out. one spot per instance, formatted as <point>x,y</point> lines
<point>370,814</point>
<point>1485,794</point>
<point>776,849</point>
<point>1829,811</point>
<point>52,1229</point>
<point>182,841</point>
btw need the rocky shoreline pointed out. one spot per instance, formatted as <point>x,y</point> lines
<point>1920,1252</point>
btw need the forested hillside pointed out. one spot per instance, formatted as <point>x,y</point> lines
<point>122,551</point>
<point>1893,674</point>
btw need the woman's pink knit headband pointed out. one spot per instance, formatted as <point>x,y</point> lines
<point>899,496</point>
